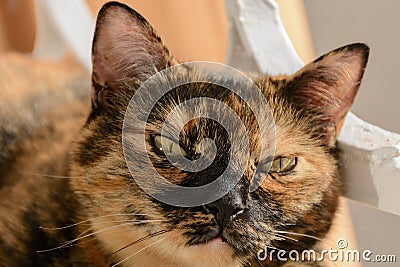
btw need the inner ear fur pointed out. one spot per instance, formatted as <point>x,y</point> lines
<point>125,46</point>
<point>328,85</point>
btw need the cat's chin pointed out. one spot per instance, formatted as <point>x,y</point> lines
<point>214,252</point>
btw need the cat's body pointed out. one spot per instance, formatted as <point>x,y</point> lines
<point>43,108</point>
<point>113,220</point>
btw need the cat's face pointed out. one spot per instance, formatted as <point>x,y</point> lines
<point>292,207</point>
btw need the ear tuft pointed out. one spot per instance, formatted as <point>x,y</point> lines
<point>329,85</point>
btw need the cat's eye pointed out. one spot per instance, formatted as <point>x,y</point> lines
<point>168,147</point>
<point>282,165</point>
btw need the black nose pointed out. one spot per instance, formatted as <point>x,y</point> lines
<point>226,208</point>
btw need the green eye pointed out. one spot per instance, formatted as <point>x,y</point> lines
<point>168,147</point>
<point>281,165</point>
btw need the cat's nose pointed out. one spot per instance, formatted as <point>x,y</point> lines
<point>226,208</point>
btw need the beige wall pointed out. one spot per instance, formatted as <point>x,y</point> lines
<point>17,25</point>
<point>193,30</point>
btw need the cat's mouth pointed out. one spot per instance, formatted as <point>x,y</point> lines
<point>218,242</point>
<point>217,236</point>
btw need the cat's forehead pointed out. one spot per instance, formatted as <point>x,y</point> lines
<point>237,92</point>
<point>215,97</point>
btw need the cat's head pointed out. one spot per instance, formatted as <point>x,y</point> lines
<point>297,198</point>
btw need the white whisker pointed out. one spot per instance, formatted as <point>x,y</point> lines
<point>53,176</point>
<point>137,252</point>
<point>298,234</point>
<point>286,237</point>
<point>89,220</point>
<point>84,236</point>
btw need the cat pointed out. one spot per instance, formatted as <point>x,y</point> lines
<point>68,198</point>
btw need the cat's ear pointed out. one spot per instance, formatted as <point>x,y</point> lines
<point>329,84</point>
<point>125,46</point>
